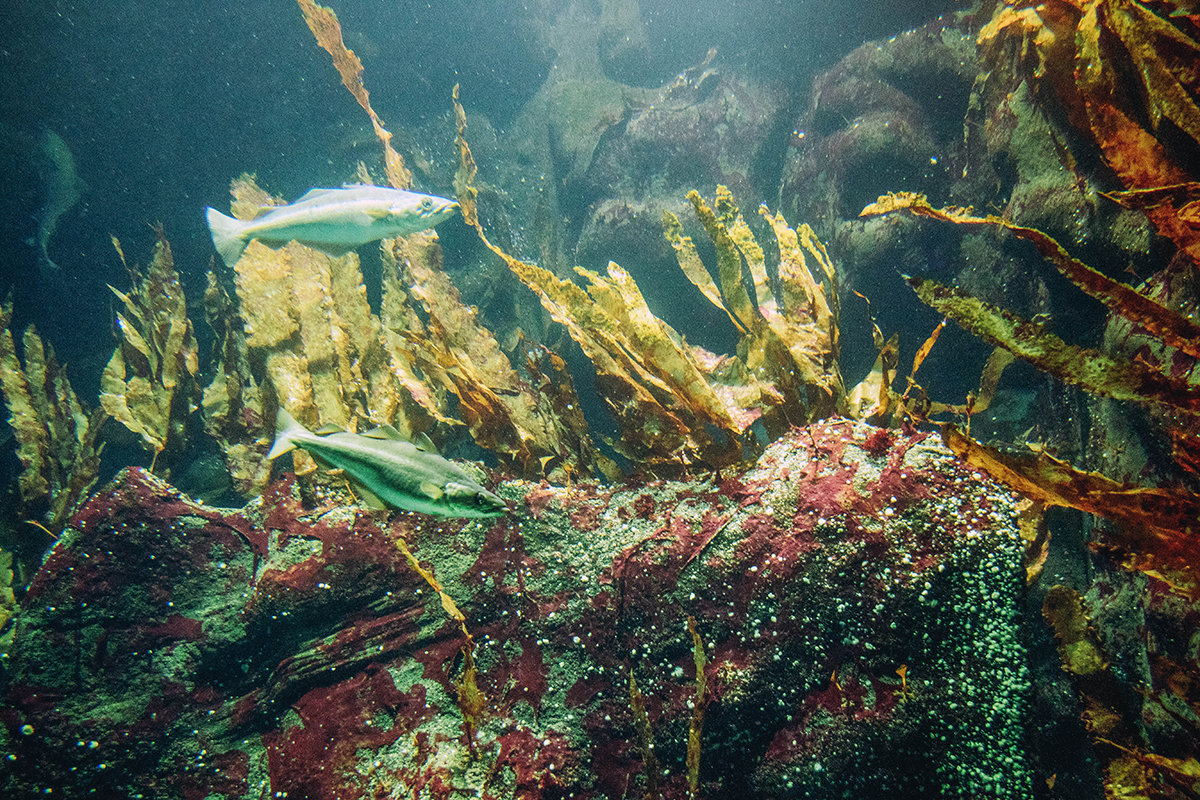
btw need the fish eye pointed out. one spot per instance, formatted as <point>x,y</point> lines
<point>426,203</point>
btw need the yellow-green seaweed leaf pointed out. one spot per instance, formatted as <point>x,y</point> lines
<point>729,262</point>
<point>693,267</point>
<point>1094,371</point>
<point>1175,330</point>
<point>31,437</point>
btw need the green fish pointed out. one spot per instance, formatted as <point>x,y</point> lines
<point>389,471</point>
<point>334,221</point>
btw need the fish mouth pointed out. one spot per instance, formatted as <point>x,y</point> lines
<point>489,504</point>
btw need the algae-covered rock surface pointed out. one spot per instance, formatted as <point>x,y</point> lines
<point>854,593</point>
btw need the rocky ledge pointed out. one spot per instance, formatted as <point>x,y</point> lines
<point>854,598</point>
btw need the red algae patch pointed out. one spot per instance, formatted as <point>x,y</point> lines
<point>856,593</point>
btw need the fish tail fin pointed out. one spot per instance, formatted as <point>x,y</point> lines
<point>48,269</point>
<point>286,429</point>
<point>227,235</point>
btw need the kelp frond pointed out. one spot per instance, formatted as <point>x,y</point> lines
<point>328,31</point>
<point>149,383</point>
<point>677,404</point>
<point>790,342</point>
<point>699,704</point>
<point>1114,63</point>
<point>233,399</point>
<point>1159,321</point>
<point>519,420</point>
<point>57,436</point>
<point>1129,771</point>
<point>308,324</point>
<point>1094,371</point>
<point>1160,525</point>
<point>471,701</point>
<point>332,360</point>
<point>1157,528</point>
<point>8,601</point>
<point>644,369</point>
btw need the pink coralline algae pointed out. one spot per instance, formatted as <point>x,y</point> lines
<point>857,597</point>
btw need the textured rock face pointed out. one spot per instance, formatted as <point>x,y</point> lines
<point>707,130</point>
<point>855,592</point>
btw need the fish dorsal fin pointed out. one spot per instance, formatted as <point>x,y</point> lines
<point>314,192</point>
<point>431,490</point>
<point>262,211</point>
<point>422,442</point>
<point>327,429</point>
<point>386,432</point>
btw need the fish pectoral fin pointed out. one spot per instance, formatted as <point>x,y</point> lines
<point>431,490</point>
<point>370,498</point>
<point>330,249</point>
<point>324,463</point>
<point>378,213</point>
<point>327,429</point>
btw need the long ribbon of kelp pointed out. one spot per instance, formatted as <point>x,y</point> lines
<point>325,26</point>
<point>471,701</point>
<point>1174,330</point>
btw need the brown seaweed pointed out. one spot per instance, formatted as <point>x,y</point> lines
<point>323,23</point>
<point>149,383</point>
<point>57,436</point>
<point>471,701</point>
<point>504,413</point>
<point>641,721</point>
<point>699,704</point>
<point>1129,772</point>
<point>1161,525</point>
<point>8,601</point>
<point>1173,329</point>
<point>233,400</point>
<point>1097,372</point>
<point>1114,63</point>
<point>643,367</point>
<point>1157,528</point>
<point>331,360</point>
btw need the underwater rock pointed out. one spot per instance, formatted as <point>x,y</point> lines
<point>884,117</point>
<point>890,114</point>
<point>1135,441</point>
<point>856,593</point>
<point>707,128</point>
<point>961,123</point>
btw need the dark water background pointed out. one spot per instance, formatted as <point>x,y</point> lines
<point>162,103</point>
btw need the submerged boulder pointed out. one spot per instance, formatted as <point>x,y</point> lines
<point>854,599</point>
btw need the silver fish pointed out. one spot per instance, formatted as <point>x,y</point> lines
<point>391,472</point>
<point>334,221</point>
